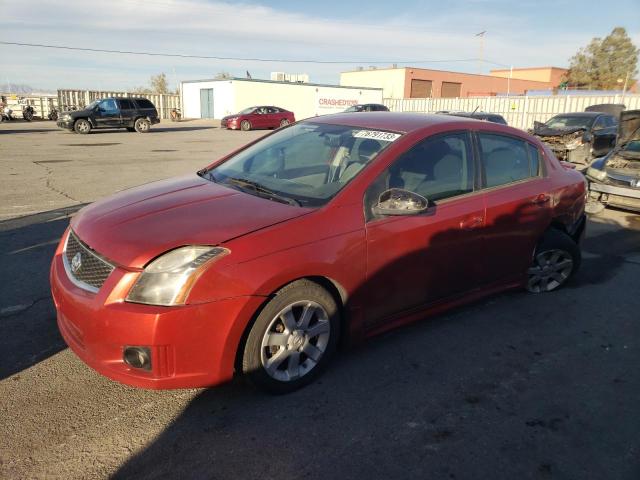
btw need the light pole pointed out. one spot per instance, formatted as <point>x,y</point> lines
<point>481,59</point>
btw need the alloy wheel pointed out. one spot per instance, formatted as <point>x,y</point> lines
<point>295,341</point>
<point>549,271</point>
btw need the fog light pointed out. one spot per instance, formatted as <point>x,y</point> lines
<point>137,357</point>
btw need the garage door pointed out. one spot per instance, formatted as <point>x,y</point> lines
<point>420,88</point>
<point>206,103</point>
<point>450,89</point>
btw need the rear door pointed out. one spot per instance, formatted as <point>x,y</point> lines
<point>518,203</point>
<point>415,260</point>
<point>127,111</point>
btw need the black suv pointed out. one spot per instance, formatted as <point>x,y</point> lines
<point>134,114</point>
<point>489,117</point>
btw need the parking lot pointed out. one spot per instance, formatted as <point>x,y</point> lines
<point>515,386</point>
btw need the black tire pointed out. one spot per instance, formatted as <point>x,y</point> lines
<point>142,125</point>
<point>284,122</point>
<point>245,125</point>
<point>131,129</point>
<point>82,126</point>
<point>295,297</point>
<point>556,259</point>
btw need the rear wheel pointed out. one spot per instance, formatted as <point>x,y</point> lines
<point>284,122</point>
<point>142,125</point>
<point>245,125</point>
<point>82,126</point>
<point>293,338</point>
<point>557,258</point>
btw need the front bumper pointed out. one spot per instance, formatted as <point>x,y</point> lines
<point>191,346</point>
<point>66,124</point>
<point>616,196</point>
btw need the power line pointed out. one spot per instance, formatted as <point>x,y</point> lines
<point>245,59</point>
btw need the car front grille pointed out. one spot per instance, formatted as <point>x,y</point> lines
<point>85,268</point>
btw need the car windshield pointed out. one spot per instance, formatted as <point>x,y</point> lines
<point>306,164</point>
<point>246,111</point>
<point>93,104</point>
<point>569,121</point>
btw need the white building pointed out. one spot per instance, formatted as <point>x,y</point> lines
<point>218,98</point>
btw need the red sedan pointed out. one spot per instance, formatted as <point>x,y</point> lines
<point>341,226</point>
<point>258,117</point>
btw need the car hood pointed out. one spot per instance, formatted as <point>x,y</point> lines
<point>136,225</point>
<point>629,127</point>
<point>542,130</point>
<point>78,113</point>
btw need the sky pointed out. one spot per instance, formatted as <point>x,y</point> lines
<point>429,34</point>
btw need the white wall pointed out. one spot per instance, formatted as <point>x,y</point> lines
<point>223,98</point>
<point>391,80</point>
<point>304,100</point>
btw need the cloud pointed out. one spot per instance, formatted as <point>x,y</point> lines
<point>252,30</point>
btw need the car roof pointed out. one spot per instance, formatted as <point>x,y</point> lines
<point>582,114</point>
<point>393,121</point>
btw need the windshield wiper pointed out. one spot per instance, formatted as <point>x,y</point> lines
<point>250,185</point>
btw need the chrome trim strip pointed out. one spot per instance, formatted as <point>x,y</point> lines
<point>623,192</point>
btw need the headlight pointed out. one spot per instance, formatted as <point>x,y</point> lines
<point>168,279</point>
<point>597,174</point>
<point>573,144</point>
<point>66,117</point>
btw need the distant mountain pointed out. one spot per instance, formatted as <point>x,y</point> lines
<point>22,89</point>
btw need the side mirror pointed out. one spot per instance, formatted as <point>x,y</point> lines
<point>587,137</point>
<point>397,201</point>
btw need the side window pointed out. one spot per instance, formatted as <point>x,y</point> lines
<point>437,168</point>
<point>108,106</point>
<point>125,104</point>
<point>505,159</point>
<point>144,103</point>
<point>272,110</point>
<point>599,123</point>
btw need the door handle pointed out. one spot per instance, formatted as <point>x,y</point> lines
<point>541,199</point>
<point>471,223</point>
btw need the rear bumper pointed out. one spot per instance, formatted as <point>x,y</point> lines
<point>191,346</point>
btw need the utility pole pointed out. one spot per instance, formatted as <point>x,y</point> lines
<point>481,59</point>
<point>509,80</point>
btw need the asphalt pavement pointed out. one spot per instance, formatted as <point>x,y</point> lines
<point>516,386</point>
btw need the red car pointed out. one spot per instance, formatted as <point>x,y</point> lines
<point>258,117</point>
<point>342,226</point>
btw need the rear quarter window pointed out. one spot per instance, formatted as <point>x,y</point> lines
<point>144,103</point>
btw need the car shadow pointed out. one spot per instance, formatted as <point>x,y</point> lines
<point>24,130</point>
<point>28,329</point>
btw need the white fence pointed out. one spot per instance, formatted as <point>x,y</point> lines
<point>519,112</point>
<point>81,98</point>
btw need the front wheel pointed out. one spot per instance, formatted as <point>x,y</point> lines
<point>245,125</point>
<point>82,126</point>
<point>556,259</point>
<point>142,125</point>
<point>293,338</point>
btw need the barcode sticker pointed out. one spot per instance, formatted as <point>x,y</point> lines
<point>376,135</point>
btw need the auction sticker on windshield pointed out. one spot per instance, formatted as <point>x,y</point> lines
<point>376,135</point>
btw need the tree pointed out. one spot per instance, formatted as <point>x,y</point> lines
<point>159,83</point>
<point>605,64</point>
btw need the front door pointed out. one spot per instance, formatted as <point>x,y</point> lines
<point>415,260</point>
<point>108,114</point>
<point>206,103</point>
